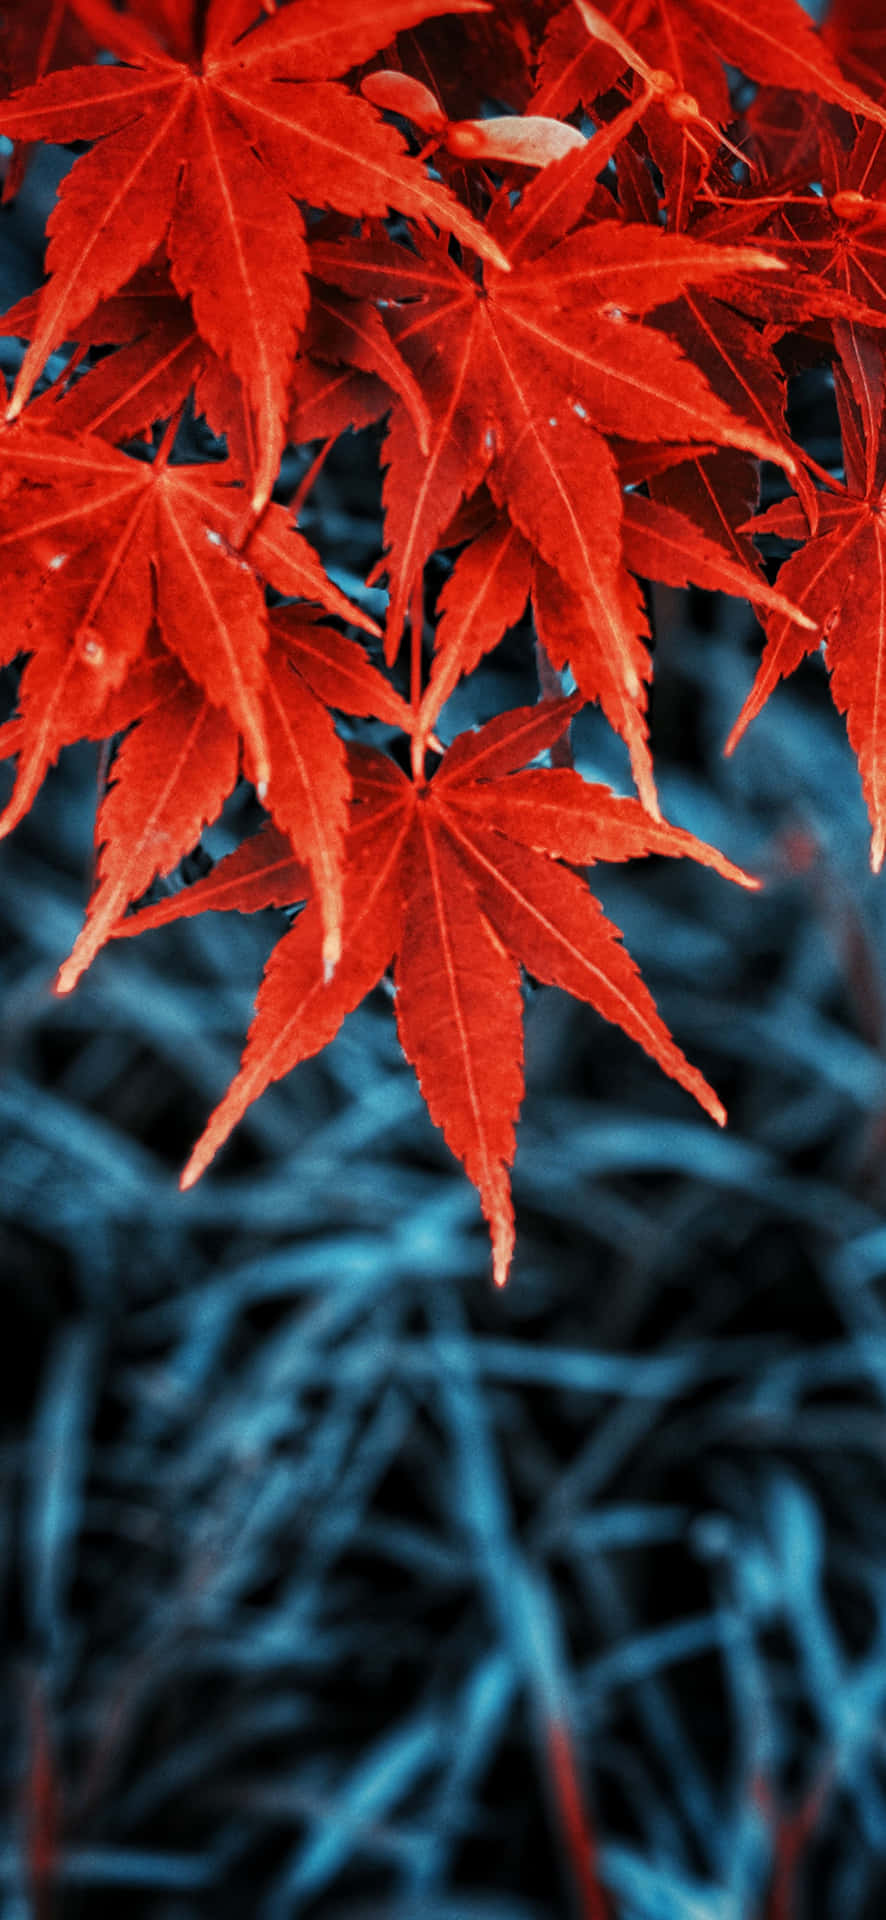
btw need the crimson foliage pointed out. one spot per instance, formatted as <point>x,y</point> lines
<point>572,256</point>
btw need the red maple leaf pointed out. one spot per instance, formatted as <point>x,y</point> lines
<point>174,770</point>
<point>262,872</point>
<point>855,31</point>
<point>98,545</point>
<point>351,334</point>
<point>838,578</point>
<point>38,36</point>
<point>207,152</point>
<point>527,373</point>
<point>163,357</point>
<point>497,572</point>
<point>677,50</point>
<point>475,58</point>
<point>833,243</point>
<point>580,369</point>
<point>99,550</point>
<point>457,881</point>
<point>172,774</point>
<point>773,41</point>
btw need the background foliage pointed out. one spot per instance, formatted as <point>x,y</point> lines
<point>319,1560</point>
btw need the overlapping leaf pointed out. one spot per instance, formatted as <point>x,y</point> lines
<point>98,545</point>
<point>209,156</point>
<point>100,550</point>
<point>497,572</point>
<point>838,578</point>
<point>772,41</point>
<point>832,241</point>
<point>525,376</point>
<point>175,768</point>
<point>855,31</point>
<point>458,882</point>
<point>38,36</point>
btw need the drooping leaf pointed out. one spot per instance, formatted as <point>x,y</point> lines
<point>262,872</point>
<point>838,579</point>
<point>101,545</point>
<point>458,882</point>
<point>172,774</point>
<point>209,159</point>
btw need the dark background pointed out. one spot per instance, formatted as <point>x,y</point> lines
<point>317,1552</point>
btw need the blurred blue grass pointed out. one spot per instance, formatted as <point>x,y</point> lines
<point>329,1574</point>
<point>311,1540</point>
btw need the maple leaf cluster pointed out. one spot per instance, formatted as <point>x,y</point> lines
<point>570,254</point>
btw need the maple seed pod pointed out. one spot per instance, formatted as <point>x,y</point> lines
<point>398,93</point>
<point>529,142</point>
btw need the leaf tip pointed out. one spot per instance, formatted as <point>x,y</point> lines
<point>648,792</point>
<point>261,765</point>
<point>501,1265</point>
<point>878,846</point>
<point>331,953</point>
<point>502,1223</point>
<point>202,1153</point>
<point>760,262</point>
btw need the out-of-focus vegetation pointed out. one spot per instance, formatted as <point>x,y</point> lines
<point>338,1585</point>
